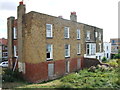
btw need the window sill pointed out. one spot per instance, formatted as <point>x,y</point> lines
<point>66,38</point>
<point>49,37</point>
<point>78,53</point>
<point>49,59</point>
<point>78,38</point>
<point>67,56</point>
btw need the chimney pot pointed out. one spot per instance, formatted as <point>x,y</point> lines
<point>21,3</point>
<point>60,16</point>
<point>73,13</point>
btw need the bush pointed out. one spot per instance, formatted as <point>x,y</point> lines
<point>104,59</point>
<point>10,76</point>
<point>117,56</point>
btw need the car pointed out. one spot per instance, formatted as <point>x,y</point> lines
<point>4,64</point>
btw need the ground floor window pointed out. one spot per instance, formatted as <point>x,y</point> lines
<point>90,48</point>
<point>67,50</point>
<point>67,66</point>
<point>49,51</point>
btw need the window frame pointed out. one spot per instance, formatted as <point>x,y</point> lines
<point>78,48</point>
<point>51,31</point>
<point>51,52</point>
<point>66,30</point>
<point>88,35</point>
<point>78,34</point>
<point>92,49</point>
<point>15,33</point>
<point>100,36</point>
<point>68,50</point>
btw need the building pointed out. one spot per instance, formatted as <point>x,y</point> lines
<point>93,42</point>
<point>115,46</point>
<point>49,46</point>
<point>107,50</point>
<point>3,50</point>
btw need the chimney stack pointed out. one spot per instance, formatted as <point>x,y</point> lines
<point>21,10</point>
<point>73,16</point>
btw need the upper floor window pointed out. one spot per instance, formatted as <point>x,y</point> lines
<point>78,49</point>
<point>90,48</point>
<point>66,32</point>
<point>88,35</point>
<point>100,47</point>
<point>49,51</point>
<point>113,41</point>
<point>78,33</point>
<point>15,51</point>
<point>96,34</point>
<point>48,30</point>
<point>67,50</point>
<point>99,36</point>
<point>15,33</point>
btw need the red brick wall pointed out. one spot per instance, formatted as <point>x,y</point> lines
<point>59,67</point>
<point>39,72</point>
<point>73,64</point>
<point>36,72</point>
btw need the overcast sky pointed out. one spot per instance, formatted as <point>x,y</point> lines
<point>99,13</point>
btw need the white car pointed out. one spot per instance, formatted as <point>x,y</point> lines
<point>4,64</point>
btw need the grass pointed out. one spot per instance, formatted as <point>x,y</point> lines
<point>100,77</point>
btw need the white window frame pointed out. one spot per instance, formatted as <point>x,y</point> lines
<point>66,32</point>
<point>51,52</point>
<point>15,51</point>
<point>88,35</point>
<point>92,49</point>
<point>78,33</point>
<point>15,33</point>
<point>78,48</point>
<point>67,51</point>
<point>49,31</point>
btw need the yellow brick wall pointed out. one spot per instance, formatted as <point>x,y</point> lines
<point>35,37</point>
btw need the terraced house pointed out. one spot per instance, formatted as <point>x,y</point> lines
<point>49,46</point>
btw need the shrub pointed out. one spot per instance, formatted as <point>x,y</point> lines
<point>10,76</point>
<point>104,59</point>
<point>117,56</point>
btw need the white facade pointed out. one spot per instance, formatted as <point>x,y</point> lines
<point>107,49</point>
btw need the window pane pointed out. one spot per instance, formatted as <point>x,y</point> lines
<point>48,30</point>
<point>49,51</point>
<point>67,50</point>
<point>66,32</point>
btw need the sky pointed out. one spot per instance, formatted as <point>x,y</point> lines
<point>99,13</point>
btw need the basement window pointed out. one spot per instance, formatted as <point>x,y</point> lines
<point>49,51</point>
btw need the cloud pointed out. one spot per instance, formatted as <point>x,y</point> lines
<point>7,5</point>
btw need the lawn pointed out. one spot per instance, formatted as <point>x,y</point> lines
<point>94,77</point>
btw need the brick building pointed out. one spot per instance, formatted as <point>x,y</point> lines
<point>49,46</point>
<point>3,50</point>
<point>115,46</point>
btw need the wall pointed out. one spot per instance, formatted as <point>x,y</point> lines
<point>88,62</point>
<point>35,40</point>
